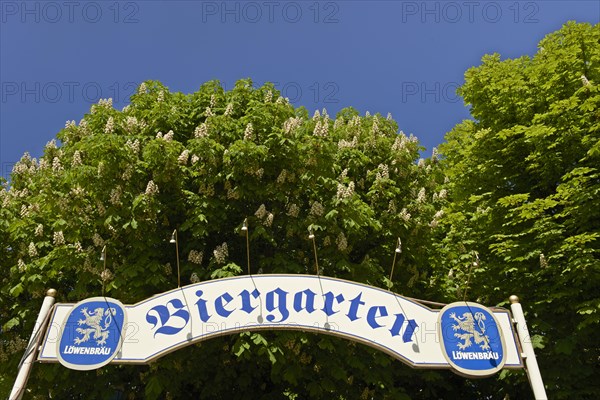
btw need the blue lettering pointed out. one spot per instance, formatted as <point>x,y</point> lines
<point>395,331</point>
<point>354,304</point>
<point>165,315</point>
<point>201,305</point>
<point>328,307</point>
<point>281,304</point>
<point>410,329</point>
<point>221,302</point>
<point>245,295</point>
<point>372,315</point>
<point>412,326</point>
<point>310,301</point>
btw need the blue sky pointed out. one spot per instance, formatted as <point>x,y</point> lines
<point>404,57</point>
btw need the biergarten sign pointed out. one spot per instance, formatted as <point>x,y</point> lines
<point>402,327</point>
<point>468,338</point>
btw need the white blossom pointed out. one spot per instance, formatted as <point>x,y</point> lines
<point>56,165</point>
<point>421,196</point>
<point>316,115</point>
<point>169,136</point>
<point>78,247</point>
<point>392,207</point>
<point>32,250</point>
<point>195,257</point>
<point>248,132</point>
<point>585,81</point>
<point>344,144</point>
<point>142,89</point>
<point>443,194</point>
<point>21,265</point>
<point>268,96</point>
<point>106,103</point>
<point>39,230</point>
<point>201,131</point>
<point>282,176</point>
<point>131,123</point>
<point>77,191</point>
<point>338,122</point>
<point>97,239</point>
<point>151,188</point>
<point>355,121</point>
<point>344,192</point>
<point>115,196</point>
<point>70,124</point>
<point>321,128</point>
<point>375,126</point>
<point>76,159</point>
<point>405,215</point>
<point>213,100</point>
<point>293,210</point>
<point>50,145</point>
<point>106,275</point>
<point>261,212</point>
<point>194,278</point>
<point>161,96</point>
<point>221,253</point>
<point>208,112</point>
<point>269,220</point>
<point>229,109</point>
<point>183,157</point>
<point>382,172</point>
<point>316,209</point>
<point>133,146</point>
<point>195,159</point>
<point>291,124</point>
<point>389,116</point>
<point>341,242</point>
<point>543,261</point>
<point>421,163</point>
<point>58,238</point>
<point>110,125</point>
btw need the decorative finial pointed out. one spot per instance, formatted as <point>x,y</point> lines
<point>513,299</point>
<point>51,292</point>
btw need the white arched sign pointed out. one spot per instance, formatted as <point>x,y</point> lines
<point>469,338</point>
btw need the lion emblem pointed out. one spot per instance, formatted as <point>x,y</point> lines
<point>466,323</point>
<point>94,321</point>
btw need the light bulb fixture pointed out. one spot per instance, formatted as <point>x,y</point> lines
<point>174,240</point>
<point>245,230</point>
<point>311,236</point>
<point>103,254</point>
<point>398,251</point>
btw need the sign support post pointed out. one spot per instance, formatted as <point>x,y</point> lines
<point>531,365</point>
<point>31,350</point>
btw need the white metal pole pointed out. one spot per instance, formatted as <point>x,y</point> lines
<point>25,369</point>
<point>531,365</point>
